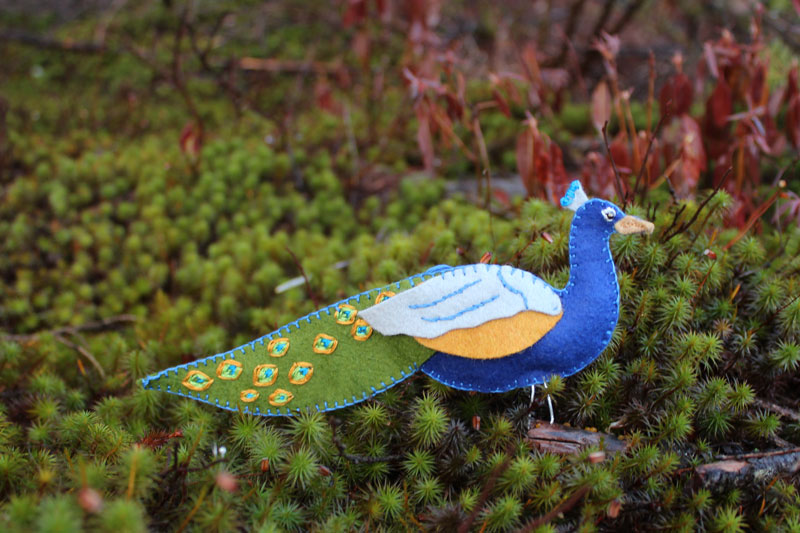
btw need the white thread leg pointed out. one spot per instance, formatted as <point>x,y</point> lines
<point>550,405</point>
<point>533,393</point>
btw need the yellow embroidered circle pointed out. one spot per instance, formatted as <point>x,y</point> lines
<point>280,397</point>
<point>197,381</point>
<point>249,395</point>
<point>300,373</point>
<point>278,347</point>
<point>324,344</point>
<point>229,370</point>
<point>385,295</point>
<point>345,314</point>
<point>265,375</point>
<point>361,331</point>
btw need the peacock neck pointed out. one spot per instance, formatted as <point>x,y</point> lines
<point>593,279</point>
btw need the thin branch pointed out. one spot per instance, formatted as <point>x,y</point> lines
<point>622,196</point>
<point>775,408</point>
<point>626,17</point>
<point>674,223</point>
<point>686,225</point>
<point>563,507</point>
<point>569,30</point>
<point>100,325</point>
<point>50,43</point>
<point>305,277</point>
<point>757,214</point>
<point>759,455</point>
<point>84,352</point>
<point>642,169</point>
<point>357,459</point>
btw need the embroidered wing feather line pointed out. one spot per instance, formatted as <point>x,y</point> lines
<point>464,297</point>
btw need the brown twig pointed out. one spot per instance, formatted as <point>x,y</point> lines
<point>642,169</point>
<point>747,468</point>
<point>561,508</point>
<point>683,226</point>
<point>305,277</point>
<point>775,408</point>
<point>757,214</point>
<point>569,30</point>
<point>626,16</point>
<point>621,194</point>
<point>62,45</point>
<point>83,351</point>
<point>288,66</point>
<point>100,325</point>
<point>758,455</point>
<point>465,526</point>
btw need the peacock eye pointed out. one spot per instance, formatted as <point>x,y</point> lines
<point>609,213</point>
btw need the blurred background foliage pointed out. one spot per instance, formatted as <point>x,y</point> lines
<point>167,166</point>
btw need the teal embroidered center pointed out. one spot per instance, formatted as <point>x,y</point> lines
<point>265,375</point>
<point>324,344</point>
<point>278,347</point>
<point>361,330</point>
<point>229,370</point>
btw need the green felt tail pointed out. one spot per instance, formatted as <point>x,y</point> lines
<point>289,371</point>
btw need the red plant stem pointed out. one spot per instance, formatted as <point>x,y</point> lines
<point>643,168</point>
<point>753,218</point>
<point>622,196</point>
<point>563,507</point>
<point>686,225</point>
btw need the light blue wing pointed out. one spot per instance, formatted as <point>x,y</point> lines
<point>464,297</point>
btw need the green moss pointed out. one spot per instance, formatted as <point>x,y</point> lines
<point>103,215</point>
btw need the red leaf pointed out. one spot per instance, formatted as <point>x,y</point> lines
<point>758,87</point>
<point>692,156</point>
<point>540,162</point>
<point>796,4</point>
<point>558,173</point>
<point>501,103</point>
<point>720,104</point>
<point>675,97</point>
<point>601,105</point>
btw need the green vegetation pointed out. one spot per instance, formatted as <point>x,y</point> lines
<point>124,252</point>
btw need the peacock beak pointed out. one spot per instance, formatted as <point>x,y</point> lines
<point>631,224</point>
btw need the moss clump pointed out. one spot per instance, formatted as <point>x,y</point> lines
<point>122,254</point>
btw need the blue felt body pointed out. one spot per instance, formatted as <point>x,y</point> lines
<point>591,309</point>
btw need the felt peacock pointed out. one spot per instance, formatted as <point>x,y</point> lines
<point>487,328</point>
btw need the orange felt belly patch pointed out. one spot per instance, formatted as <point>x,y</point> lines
<point>496,338</point>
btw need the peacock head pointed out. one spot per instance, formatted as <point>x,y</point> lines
<point>601,214</point>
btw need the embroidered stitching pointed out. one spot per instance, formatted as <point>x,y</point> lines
<point>511,289</point>
<point>462,312</point>
<point>446,296</point>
